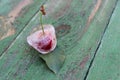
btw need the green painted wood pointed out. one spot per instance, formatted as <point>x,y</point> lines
<point>14,15</point>
<point>106,65</point>
<point>79,26</point>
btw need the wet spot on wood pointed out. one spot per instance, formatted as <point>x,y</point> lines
<point>6,28</point>
<point>62,30</point>
<point>15,12</point>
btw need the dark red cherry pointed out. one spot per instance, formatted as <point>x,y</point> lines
<point>45,44</point>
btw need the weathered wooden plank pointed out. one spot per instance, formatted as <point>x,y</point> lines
<point>75,22</point>
<point>106,65</point>
<point>14,15</point>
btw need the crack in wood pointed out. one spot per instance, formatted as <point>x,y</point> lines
<point>92,60</point>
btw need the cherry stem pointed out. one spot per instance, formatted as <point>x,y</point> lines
<point>42,23</point>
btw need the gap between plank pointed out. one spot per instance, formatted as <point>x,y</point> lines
<point>20,31</point>
<point>91,62</point>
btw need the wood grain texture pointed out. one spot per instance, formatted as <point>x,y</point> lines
<point>14,15</point>
<point>106,65</point>
<point>79,42</point>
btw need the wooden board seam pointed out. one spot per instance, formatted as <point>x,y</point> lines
<point>19,34</point>
<point>91,62</point>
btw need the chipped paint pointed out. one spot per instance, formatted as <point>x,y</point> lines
<point>84,61</point>
<point>6,28</point>
<point>95,9</point>
<point>102,11</point>
<point>8,33</point>
<point>91,16</point>
<point>15,12</point>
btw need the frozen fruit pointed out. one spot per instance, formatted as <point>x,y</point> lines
<point>43,42</point>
